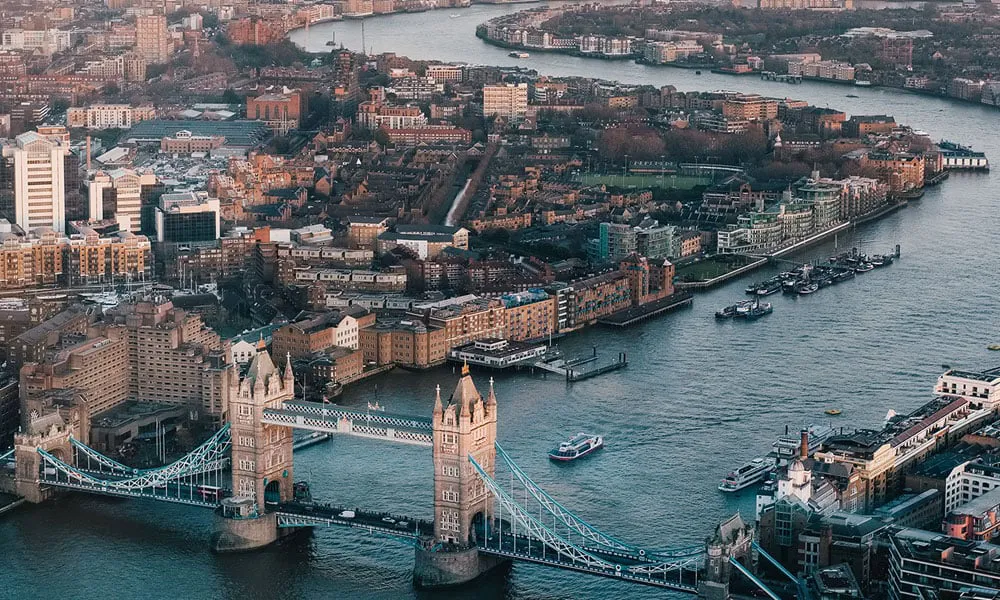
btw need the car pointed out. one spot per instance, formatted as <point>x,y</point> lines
<point>347,514</point>
<point>388,520</point>
<point>402,525</point>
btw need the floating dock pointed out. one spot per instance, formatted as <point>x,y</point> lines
<point>585,367</point>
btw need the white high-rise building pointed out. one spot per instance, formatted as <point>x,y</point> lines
<point>39,180</point>
<point>119,191</point>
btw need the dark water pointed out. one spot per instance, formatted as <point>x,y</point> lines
<point>698,398</point>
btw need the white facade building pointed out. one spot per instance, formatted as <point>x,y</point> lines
<point>127,188</point>
<point>509,100</point>
<point>47,41</point>
<point>39,180</point>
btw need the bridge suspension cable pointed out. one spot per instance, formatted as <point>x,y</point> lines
<point>83,451</point>
<point>516,531</point>
<point>195,478</point>
<point>583,528</point>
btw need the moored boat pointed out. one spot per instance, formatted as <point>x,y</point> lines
<point>772,287</point>
<point>578,446</point>
<point>749,474</point>
<point>808,288</point>
<point>759,311</point>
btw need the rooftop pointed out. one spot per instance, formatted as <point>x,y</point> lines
<point>241,134</point>
<point>937,548</point>
<point>986,375</point>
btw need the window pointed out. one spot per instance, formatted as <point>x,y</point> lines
<point>449,496</point>
<point>247,465</point>
<point>247,486</point>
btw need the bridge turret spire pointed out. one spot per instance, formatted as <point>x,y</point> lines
<point>289,374</point>
<point>491,398</point>
<point>438,407</point>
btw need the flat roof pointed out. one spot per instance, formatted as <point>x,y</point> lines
<point>242,133</point>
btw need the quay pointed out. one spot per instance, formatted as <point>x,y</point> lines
<point>637,314</point>
<point>584,367</point>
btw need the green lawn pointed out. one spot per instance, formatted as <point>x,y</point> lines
<point>680,182</point>
<point>710,268</point>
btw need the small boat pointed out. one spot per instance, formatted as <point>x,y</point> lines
<point>726,313</point>
<point>853,96</point>
<point>455,16</point>
<point>519,55</point>
<point>578,446</point>
<point>697,72</point>
<point>808,288</point>
<point>993,347</point>
<point>771,288</point>
<point>753,472</point>
<point>759,311</point>
<point>833,412</point>
<point>863,268</point>
<point>843,276</point>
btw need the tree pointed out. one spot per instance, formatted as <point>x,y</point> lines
<point>230,96</point>
<point>639,143</point>
<point>382,138</point>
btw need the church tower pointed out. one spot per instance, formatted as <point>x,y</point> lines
<point>261,454</point>
<point>466,426</point>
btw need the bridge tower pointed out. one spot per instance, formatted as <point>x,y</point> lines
<point>466,426</point>
<point>261,457</point>
<point>50,433</point>
<point>731,540</point>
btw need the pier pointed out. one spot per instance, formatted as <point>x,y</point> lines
<point>584,367</point>
<point>631,316</point>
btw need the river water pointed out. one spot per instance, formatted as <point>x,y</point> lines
<point>698,398</point>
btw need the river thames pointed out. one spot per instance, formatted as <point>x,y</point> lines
<point>699,397</point>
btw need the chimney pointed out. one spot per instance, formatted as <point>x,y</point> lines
<point>88,153</point>
<point>804,446</point>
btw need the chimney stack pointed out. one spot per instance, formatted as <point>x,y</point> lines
<point>804,446</point>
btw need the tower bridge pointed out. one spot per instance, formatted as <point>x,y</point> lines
<point>487,511</point>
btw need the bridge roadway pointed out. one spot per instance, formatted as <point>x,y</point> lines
<point>171,491</point>
<point>308,514</point>
<point>681,577</point>
<point>330,418</point>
